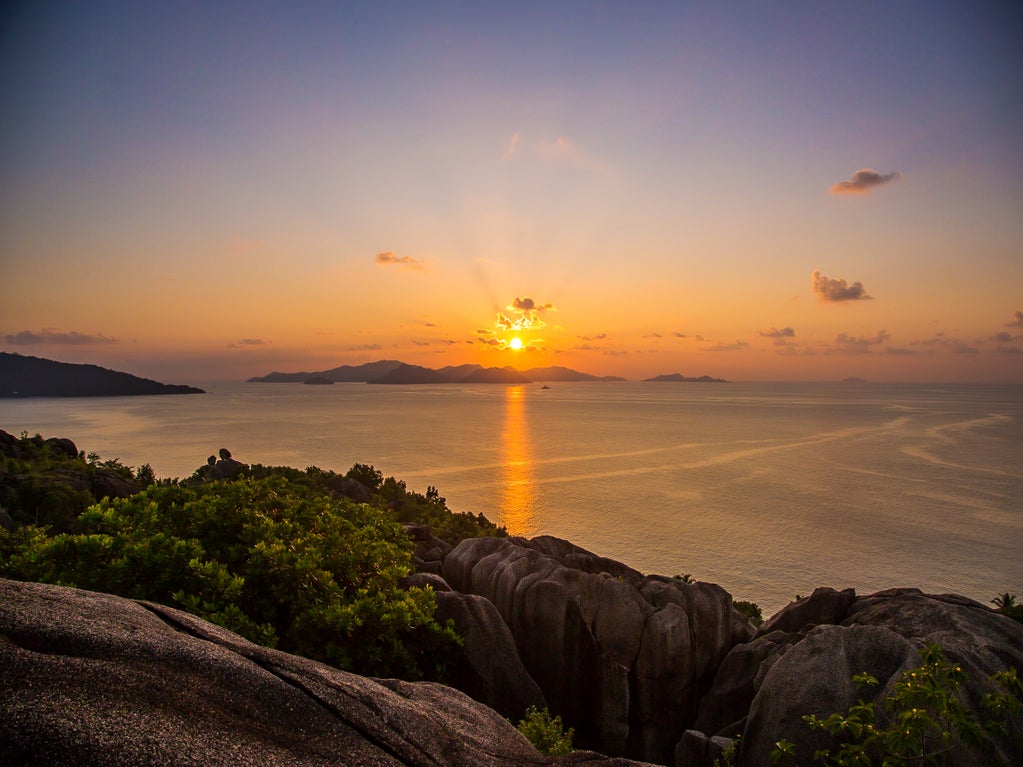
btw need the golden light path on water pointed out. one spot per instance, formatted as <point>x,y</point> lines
<point>516,466</point>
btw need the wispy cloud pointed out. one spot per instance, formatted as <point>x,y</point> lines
<point>598,337</point>
<point>387,258</point>
<point>863,181</point>
<point>846,344</point>
<point>513,146</point>
<point>725,347</point>
<point>832,290</point>
<point>248,343</point>
<point>51,336</point>
<point>779,336</point>
<point>1017,321</point>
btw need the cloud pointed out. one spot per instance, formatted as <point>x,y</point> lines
<point>837,290</point>
<point>598,337</point>
<point>365,348</point>
<point>653,335</point>
<point>680,335</point>
<point>953,345</point>
<point>528,305</point>
<point>726,347</point>
<point>513,146</point>
<point>863,181</point>
<point>55,337</point>
<point>778,335</point>
<point>1004,338</point>
<point>846,344</point>
<point>523,314</point>
<point>248,343</point>
<point>484,331</point>
<point>1016,323</point>
<point>388,258</point>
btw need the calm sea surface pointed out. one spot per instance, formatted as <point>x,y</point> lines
<point>766,489</point>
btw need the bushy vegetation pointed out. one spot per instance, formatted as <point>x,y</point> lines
<point>922,722</point>
<point>547,734</point>
<point>751,610</point>
<point>284,557</point>
<point>1006,605</point>
<point>48,482</point>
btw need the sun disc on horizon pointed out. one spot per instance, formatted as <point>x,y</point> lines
<point>515,343</point>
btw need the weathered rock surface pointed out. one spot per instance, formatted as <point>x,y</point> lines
<point>489,669</point>
<point>824,606</point>
<point>93,679</point>
<point>623,658</point>
<point>764,687</point>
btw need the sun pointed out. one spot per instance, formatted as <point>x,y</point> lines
<point>515,343</point>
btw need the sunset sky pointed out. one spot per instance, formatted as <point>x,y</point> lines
<point>756,191</point>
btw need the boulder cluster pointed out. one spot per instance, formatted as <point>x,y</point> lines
<point>666,671</point>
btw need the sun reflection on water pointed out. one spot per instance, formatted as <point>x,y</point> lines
<point>517,466</point>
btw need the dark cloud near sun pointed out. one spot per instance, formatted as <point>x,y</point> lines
<point>863,181</point>
<point>50,336</point>
<point>528,305</point>
<point>387,258</point>
<point>832,290</point>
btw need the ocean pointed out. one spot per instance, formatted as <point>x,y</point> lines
<point>769,490</point>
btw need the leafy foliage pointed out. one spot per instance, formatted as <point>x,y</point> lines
<point>546,733</point>
<point>751,610</point>
<point>47,482</point>
<point>921,722</point>
<point>1006,605</point>
<point>263,557</point>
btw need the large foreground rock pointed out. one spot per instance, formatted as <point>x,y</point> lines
<point>624,658</point>
<point>92,679</point>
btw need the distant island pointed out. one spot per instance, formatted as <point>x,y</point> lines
<point>679,378</point>
<point>395,372</point>
<point>22,376</point>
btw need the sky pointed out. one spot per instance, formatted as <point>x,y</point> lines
<point>792,191</point>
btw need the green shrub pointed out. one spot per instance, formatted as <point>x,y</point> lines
<point>547,734</point>
<point>313,575</point>
<point>751,610</point>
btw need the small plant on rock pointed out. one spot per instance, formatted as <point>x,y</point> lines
<point>922,722</point>
<point>546,733</point>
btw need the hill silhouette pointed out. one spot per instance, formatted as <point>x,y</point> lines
<point>22,376</point>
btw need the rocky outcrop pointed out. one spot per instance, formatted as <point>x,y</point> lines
<point>804,658</point>
<point>621,657</point>
<point>489,667</point>
<point>429,549</point>
<point>824,606</point>
<point>89,679</point>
